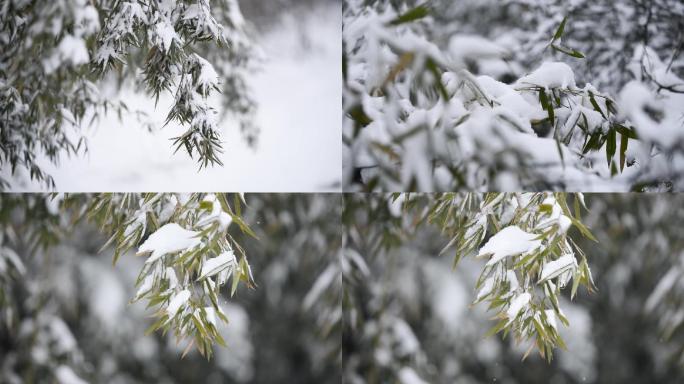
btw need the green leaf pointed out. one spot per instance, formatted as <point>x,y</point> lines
<point>432,67</point>
<point>610,146</point>
<point>559,31</point>
<point>414,14</point>
<point>630,133</point>
<point>594,104</point>
<point>543,99</point>
<point>575,285</point>
<point>624,141</point>
<point>568,51</point>
<point>594,143</point>
<point>496,329</point>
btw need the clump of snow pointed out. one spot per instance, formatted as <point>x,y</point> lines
<point>177,301</point>
<point>71,50</point>
<point>165,35</point>
<point>211,315</point>
<point>551,318</point>
<point>169,238</point>
<point>555,217</point>
<point>510,241</point>
<point>565,264</point>
<point>145,286</point>
<point>64,339</point>
<point>486,288</point>
<point>217,214</point>
<point>225,260</point>
<point>208,76</point>
<point>65,375</point>
<point>517,304</point>
<point>549,75</point>
<point>409,376</point>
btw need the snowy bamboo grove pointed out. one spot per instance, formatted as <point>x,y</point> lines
<point>355,191</point>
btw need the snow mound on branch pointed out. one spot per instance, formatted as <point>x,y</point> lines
<point>511,100</point>
<point>510,241</point>
<point>549,75</point>
<point>169,238</point>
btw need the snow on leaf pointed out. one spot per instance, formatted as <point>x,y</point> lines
<point>486,289</point>
<point>208,76</point>
<point>169,238</point>
<point>177,301</point>
<point>517,304</point>
<point>510,241</point>
<point>145,287</point>
<point>226,260</point>
<point>165,35</point>
<point>551,318</point>
<point>555,268</point>
<point>549,75</point>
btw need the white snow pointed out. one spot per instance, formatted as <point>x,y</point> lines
<point>71,51</point>
<point>549,75</point>
<point>217,214</point>
<point>217,264</point>
<point>517,304</point>
<point>472,47</point>
<point>555,268</point>
<point>208,76</point>
<point>63,338</point>
<point>169,238</point>
<point>551,318</point>
<point>177,301</point>
<point>65,375</point>
<point>408,376</point>
<point>145,286</point>
<point>510,241</point>
<point>512,281</point>
<point>165,35</point>
<point>486,288</point>
<point>211,315</point>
